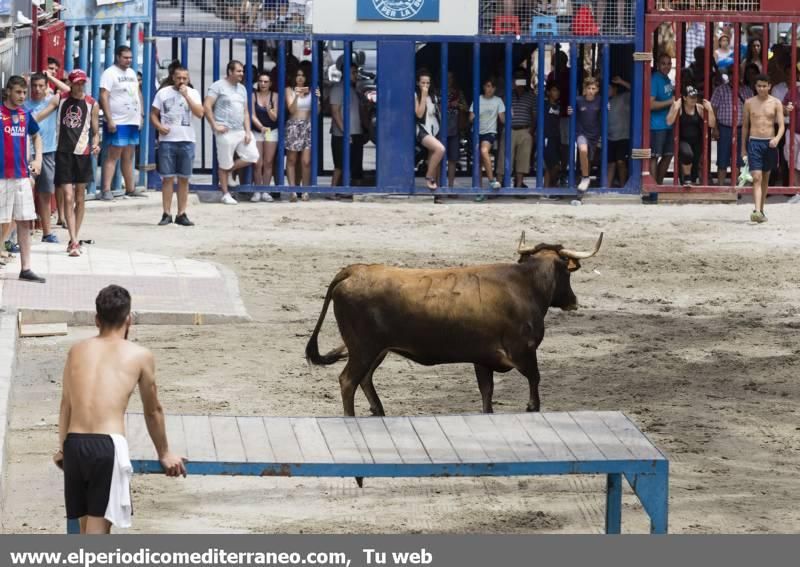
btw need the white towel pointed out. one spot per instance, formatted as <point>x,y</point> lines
<point>119,509</point>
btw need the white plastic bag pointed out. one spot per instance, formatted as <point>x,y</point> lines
<point>744,175</point>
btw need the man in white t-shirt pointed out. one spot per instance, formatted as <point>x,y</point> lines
<point>171,115</point>
<point>121,101</point>
<point>226,111</point>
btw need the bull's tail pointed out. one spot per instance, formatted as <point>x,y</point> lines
<point>312,348</point>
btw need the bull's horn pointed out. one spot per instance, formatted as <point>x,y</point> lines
<point>581,255</point>
<point>522,249</point>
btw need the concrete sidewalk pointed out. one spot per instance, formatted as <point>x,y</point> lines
<point>165,291</point>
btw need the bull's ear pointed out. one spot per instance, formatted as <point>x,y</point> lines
<point>573,265</point>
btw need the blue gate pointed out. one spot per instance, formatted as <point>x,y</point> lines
<point>600,37</point>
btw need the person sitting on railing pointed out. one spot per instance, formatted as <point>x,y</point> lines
<point>492,110</point>
<point>690,115</point>
<point>427,110</point>
<point>588,128</point>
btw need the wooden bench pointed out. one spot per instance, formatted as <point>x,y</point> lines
<point>589,442</point>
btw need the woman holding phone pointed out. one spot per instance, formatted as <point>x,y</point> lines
<point>298,128</point>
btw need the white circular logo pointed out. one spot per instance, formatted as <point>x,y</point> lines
<point>398,9</point>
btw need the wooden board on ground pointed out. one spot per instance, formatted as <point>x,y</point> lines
<point>40,329</point>
<point>691,197</point>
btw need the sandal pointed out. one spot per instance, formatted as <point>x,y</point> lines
<point>431,182</point>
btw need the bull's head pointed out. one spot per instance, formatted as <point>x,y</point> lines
<point>564,261</point>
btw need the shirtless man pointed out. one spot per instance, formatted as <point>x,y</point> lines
<point>760,116</point>
<point>99,378</point>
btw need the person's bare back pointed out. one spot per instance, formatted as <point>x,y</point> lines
<point>99,377</point>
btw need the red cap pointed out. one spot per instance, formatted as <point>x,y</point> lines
<point>78,76</point>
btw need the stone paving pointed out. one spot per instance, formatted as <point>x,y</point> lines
<point>164,290</point>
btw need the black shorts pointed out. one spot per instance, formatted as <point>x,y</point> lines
<point>73,168</point>
<point>88,466</point>
<point>619,150</point>
<point>552,152</point>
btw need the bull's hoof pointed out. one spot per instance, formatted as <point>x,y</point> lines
<point>360,481</point>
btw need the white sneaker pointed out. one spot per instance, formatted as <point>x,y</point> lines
<point>266,197</point>
<point>495,184</point>
<point>583,186</point>
<point>795,200</point>
<point>233,181</point>
<point>227,199</point>
<point>256,197</point>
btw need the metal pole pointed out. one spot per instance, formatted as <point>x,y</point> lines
<point>676,129</point>
<point>135,49</point>
<point>280,154</point>
<point>247,173</point>
<point>640,96</point>
<point>83,54</point>
<point>573,84</point>
<point>215,77</point>
<point>793,165</point>
<point>540,116</point>
<point>314,113</point>
<point>706,96</point>
<point>606,75</point>
<point>443,56</point>
<point>202,93</point>
<point>97,69</point>
<point>146,145</point>
<point>185,52</point>
<point>476,111</point>
<point>507,126</point>
<point>348,58</point>
<point>109,61</point>
<point>735,151</point>
<point>69,56</point>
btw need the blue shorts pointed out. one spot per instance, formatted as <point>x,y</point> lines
<point>175,159</point>
<point>126,135</point>
<point>724,146</point>
<point>760,157</point>
<point>490,138</point>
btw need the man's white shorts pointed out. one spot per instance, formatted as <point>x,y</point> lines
<point>233,142</point>
<point>16,200</point>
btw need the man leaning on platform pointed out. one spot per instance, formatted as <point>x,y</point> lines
<point>99,377</point>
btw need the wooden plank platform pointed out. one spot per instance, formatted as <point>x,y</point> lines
<point>588,442</point>
<point>576,438</point>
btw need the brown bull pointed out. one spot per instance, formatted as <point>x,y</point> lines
<point>491,316</point>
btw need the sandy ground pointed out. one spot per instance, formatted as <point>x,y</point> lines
<point>688,324</point>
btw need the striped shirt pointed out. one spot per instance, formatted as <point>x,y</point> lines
<point>522,108</point>
<point>721,102</point>
<point>17,126</point>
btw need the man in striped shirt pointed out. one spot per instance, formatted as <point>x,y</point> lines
<point>523,105</point>
<point>16,193</point>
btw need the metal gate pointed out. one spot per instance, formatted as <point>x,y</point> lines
<point>599,33</point>
<point>772,23</point>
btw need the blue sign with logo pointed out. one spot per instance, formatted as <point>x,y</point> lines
<point>399,10</point>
